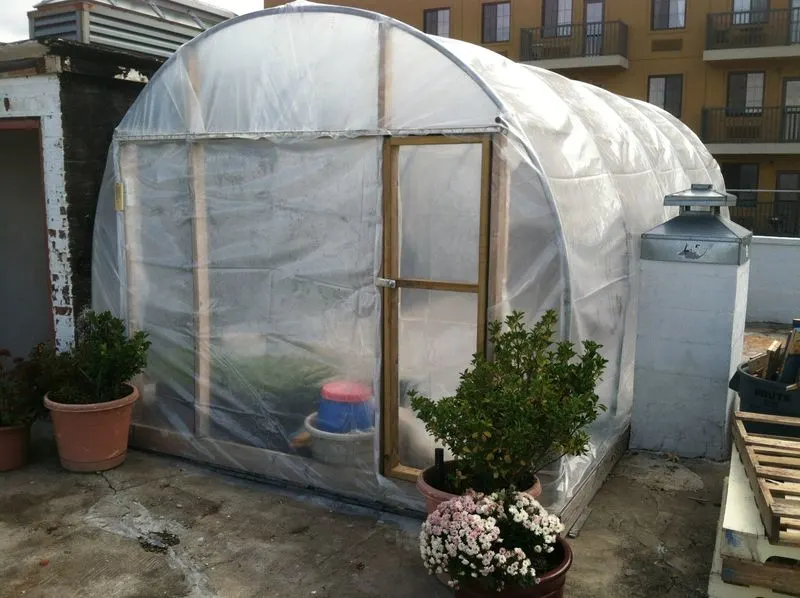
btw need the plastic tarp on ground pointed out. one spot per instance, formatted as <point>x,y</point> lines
<point>252,232</point>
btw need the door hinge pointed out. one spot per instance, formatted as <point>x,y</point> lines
<point>387,283</point>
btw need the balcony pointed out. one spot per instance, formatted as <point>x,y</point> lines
<point>774,130</point>
<point>584,45</point>
<point>752,35</point>
<point>768,213</point>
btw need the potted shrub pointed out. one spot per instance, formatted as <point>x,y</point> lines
<point>90,397</point>
<point>20,405</point>
<point>512,415</point>
<point>505,544</point>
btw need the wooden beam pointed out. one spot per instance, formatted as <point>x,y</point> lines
<point>773,576</point>
<point>19,124</point>
<point>499,236</point>
<point>390,401</point>
<point>402,472</point>
<point>132,217</point>
<point>483,248</point>
<point>436,285</point>
<point>202,293</point>
<point>436,139</point>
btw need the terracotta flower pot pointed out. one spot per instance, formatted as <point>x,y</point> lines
<point>92,437</point>
<point>13,446</point>
<point>434,497</point>
<point>551,584</point>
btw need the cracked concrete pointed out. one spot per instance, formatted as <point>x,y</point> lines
<point>650,534</point>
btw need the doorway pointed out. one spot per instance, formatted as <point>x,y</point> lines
<point>787,204</point>
<point>593,44</point>
<point>791,110</point>
<point>434,280</point>
<point>25,305</point>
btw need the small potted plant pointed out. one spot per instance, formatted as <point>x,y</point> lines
<point>514,414</point>
<point>505,544</point>
<point>90,397</point>
<point>20,405</point>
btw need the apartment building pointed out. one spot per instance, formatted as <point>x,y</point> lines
<point>730,69</point>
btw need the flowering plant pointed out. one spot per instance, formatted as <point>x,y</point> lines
<point>506,538</point>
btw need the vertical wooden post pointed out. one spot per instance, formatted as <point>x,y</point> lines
<point>483,251</point>
<point>498,262</point>
<point>202,294</point>
<point>128,203</point>
<point>390,400</point>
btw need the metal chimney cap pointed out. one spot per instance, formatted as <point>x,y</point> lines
<point>700,194</point>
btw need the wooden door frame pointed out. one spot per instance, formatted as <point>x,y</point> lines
<point>390,270</point>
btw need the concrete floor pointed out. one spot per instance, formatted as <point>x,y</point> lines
<point>157,526</point>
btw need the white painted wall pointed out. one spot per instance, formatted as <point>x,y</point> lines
<point>774,280</point>
<point>689,338</point>
<point>39,97</point>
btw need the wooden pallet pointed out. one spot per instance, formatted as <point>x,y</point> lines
<point>772,464</point>
<point>733,577</point>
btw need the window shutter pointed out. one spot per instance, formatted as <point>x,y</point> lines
<point>489,22</point>
<point>673,95</point>
<point>737,92</point>
<point>431,22</point>
<point>660,14</point>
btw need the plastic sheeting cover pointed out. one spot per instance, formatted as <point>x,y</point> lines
<point>252,169</point>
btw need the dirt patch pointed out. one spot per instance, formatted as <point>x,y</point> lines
<point>158,541</point>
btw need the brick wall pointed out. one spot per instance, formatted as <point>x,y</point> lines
<point>91,109</point>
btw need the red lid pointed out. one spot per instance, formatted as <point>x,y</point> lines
<point>346,392</point>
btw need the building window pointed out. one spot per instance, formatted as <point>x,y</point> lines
<point>666,91</point>
<point>496,22</point>
<point>750,11</point>
<point>557,18</point>
<point>437,22</point>
<point>741,177</point>
<point>745,93</point>
<point>669,14</point>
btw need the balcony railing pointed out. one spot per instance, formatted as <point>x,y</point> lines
<point>779,124</point>
<point>575,41</point>
<point>753,29</point>
<point>768,213</point>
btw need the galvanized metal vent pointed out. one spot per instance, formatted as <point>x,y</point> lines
<point>156,27</point>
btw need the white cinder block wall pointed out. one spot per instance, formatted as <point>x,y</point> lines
<point>774,294</point>
<point>691,323</point>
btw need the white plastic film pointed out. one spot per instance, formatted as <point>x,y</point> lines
<point>252,235</point>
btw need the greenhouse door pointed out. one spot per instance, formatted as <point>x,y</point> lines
<point>434,281</point>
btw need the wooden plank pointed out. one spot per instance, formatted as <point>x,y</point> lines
<point>436,140</point>
<point>778,577</point>
<point>499,237</point>
<point>783,487</point>
<point>789,537</point>
<point>777,473</point>
<point>766,418</point>
<point>403,472</point>
<point>483,250</point>
<point>747,456</point>
<point>132,217</point>
<point>774,359</point>
<point>786,508</point>
<point>789,522</point>
<point>767,451</point>
<point>390,400</point>
<point>766,459</point>
<point>384,76</point>
<point>760,440</point>
<point>759,363</point>
<point>202,290</point>
<point>593,480</point>
<point>436,285</point>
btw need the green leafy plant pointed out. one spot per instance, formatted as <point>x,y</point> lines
<point>102,362</point>
<point>515,414</point>
<point>22,386</point>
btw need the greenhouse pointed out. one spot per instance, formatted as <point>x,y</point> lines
<point>316,204</point>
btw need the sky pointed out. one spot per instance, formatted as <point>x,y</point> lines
<point>14,15</point>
